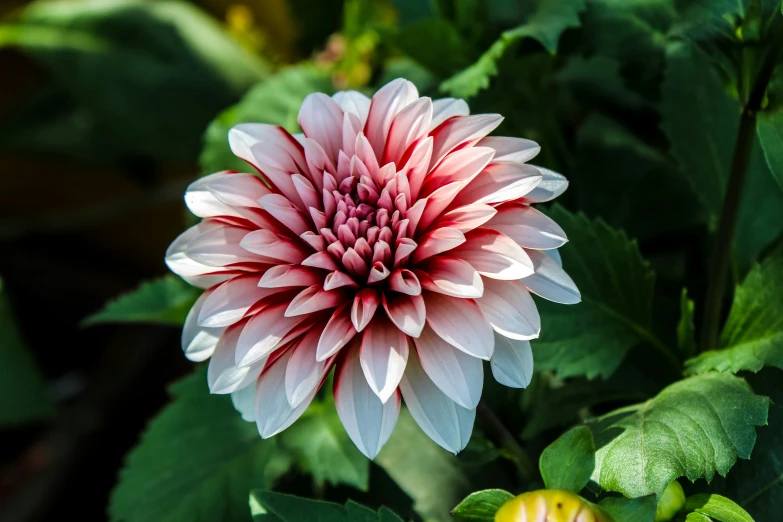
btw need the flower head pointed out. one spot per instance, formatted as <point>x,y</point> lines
<point>393,241</point>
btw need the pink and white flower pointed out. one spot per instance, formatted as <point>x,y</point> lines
<point>393,241</point>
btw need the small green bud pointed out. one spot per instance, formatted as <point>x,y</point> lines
<point>670,503</point>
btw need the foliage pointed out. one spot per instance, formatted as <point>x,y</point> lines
<point>165,301</point>
<point>266,506</point>
<point>23,394</point>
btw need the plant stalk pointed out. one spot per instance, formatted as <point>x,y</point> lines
<point>724,239</point>
<point>500,433</point>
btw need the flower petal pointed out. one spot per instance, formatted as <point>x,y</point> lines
<point>460,323</point>
<point>461,165</point>
<point>460,130</point>
<point>512,362</point>
<point>383,354</point>
<point>500,182</point>
<point>314,299</point>
<point>242,138</point>
<point>437,241</point>
<point>494,255</point>
<point>410,124</point>
<point>264,333</point>
<point>244,401</point>
<point>550,280</point>
<point>273,246</point>
<point>304,372</point>
<point>363,309</point>
<point>508,307</point>
<point>368,421</point>
<point>353,102</point>
<point>457,374</point>
<point>282,210</point>
<point>528,227</point>
<point>467,217</point>
<point>444,421</point>
<point>407,312</point>
<point>221,193</point>
<point>199,342</point>
<point>445,108</point>
<point>337,333</point>
<point>321,119</point>
<point>450,276</point>
<point>550,187</point>
<point>289,276</point>
<point>511,150</point>
<point>273,412</point>
<point>384,106</point>
<point>223,375</point>
<point>404,281</point>
<point>229,302</point>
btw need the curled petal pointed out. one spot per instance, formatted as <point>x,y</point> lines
<point>407,312</point>
<point>364,305</point>
<point>405,282</point>
<point>337,333</point>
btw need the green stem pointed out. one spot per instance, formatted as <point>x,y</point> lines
<point>724,240</point>
<point>492,424</point>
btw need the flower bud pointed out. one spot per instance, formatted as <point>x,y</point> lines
<point>552,505</point>
<point>671,502</point>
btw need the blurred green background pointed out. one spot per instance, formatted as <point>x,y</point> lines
<point>109,108</point>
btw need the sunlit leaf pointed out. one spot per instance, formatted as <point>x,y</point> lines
<point>568,462</point>
<point>717,507</point>
<point>481,506</point>
<point>164,301</point>
<point>694,428</point>
<point>753,335</point>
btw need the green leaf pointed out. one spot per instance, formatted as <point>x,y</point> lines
<point>481,506</point>
<point>717,507</point>
<point>598,78</point>
<point>150,75</point>
<point>757,485</point>
<point>266,506</point>
<point>429,475</point>
<point>196,462</point>
<point>693,428</point>
<point>569,461</point>
<point>686,331</point>
<point>770,132</point>
<point>640,509</point>
<point>435,44</point>
<point>23,395</point>
<point>162,301</point>
<point>753,335</point>
<point>275,100</point>
<point>547,20</point>
<point>322,448</point>
<point>697,517</point>
<point>702,121</point>
<point>591,338</point>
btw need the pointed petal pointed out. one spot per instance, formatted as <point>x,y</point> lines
<point>314,299</point>
<point>407,312</point>
<point>363,309</point>
<point>436,242</point>
<point>405,282</point>
<point>550,280</point>
<point>337,333</point>
<point>450,276</point>
<point>353,102</point>
<point>338,279</point>
<point>512,362</point>
<point>511,150</point>
<point>508,307</point>
<point>273,411</point>
<point>467,218</point>
<point>229,302</point>
<point>444,421</point>
<point>410,124</point>
<point>528,227</point>
<point>550,187</point>
<point>264,333</point>
<point>445,108</point>
<point>460,323</point>
<point>500,182</point>
<point>223,375</point>
<point>219,194</point>
<point>494,255</point>
<point>304,372</point>
<point>368,421</point>
<point>321,119</point>
<point>242,138</point>
<point>281,276</point>
<point>274,246</point>
<point>283,211</point>
<point>459,130</point>
<point>383,355</point>
<point>457,374</point>
<point>199,342</point>
<point>322,260</point>
<point>461,165</point>
<point>384,106</point>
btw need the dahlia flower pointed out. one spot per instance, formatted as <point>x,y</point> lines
<point>394,242</point>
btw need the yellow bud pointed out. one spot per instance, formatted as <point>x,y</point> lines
<point>549,505</point>
<point>671,502</point>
